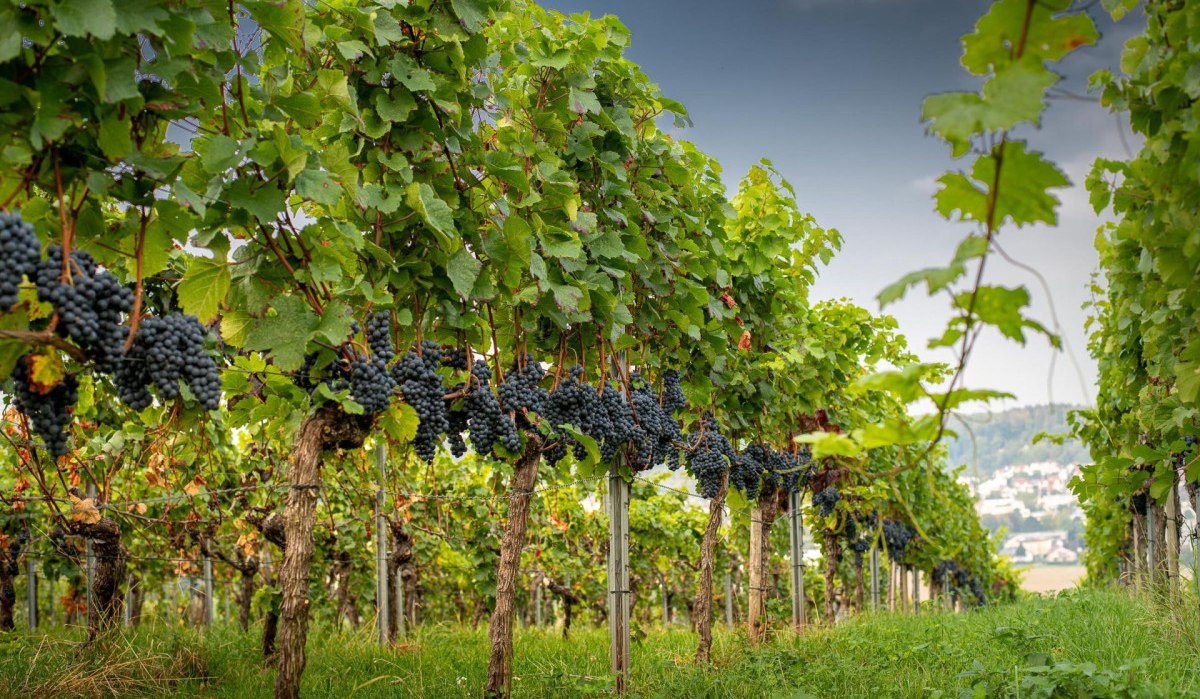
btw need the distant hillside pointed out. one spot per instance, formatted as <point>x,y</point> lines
<point>1005,438</point>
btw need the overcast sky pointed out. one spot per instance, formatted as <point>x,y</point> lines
<point>830,90</point>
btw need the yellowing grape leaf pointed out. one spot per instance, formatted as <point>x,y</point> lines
<point>84,510</point>
<point>45,372</point>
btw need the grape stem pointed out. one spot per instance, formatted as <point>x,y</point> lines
<point>45,338</point>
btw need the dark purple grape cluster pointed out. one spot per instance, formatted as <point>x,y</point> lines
<point>710,456</point>
<point>165,350</point>
<point>521,391</point>
<point>371,384</point>
<point>673,399</point>
<point>303,377</point>
<point>747,470</point>
<point>421,386</point>
<point>49,413</point>
<point>956,578</point>
<point>898,537</point>
<point>860,546</point>
<point>826,500</point>
<point>488,423</point>
<point>379,337</point>
<point>90,306</point>
<point>657,436</point>
<point>20,253</point>
<point>573,403</point>
<point>455,359</point>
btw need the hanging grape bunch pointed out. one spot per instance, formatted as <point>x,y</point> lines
<point>20,253</point>
<point>712,454</point>
<point>826,500</point>
<point>165,351</point>
<point>520,392</point>
<point>746,471</point>
<point>48,408</point>
<point>421,386</point>
<point>90,306</point>
<point>488,423</point>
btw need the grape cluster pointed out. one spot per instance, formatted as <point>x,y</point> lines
<point>421,385</point>
<point>826,500</point>
<point>49,412</point>
<point>711,456</point>
<point>379,337</point>
<point>303,377</point>
<point>673,399</point>
<point>455,359</point>
<point>860,546</point>
<point>746,471</point>
<point>90,306</point>
<point>520,391</point>
<point>165,350</point>
<point>20,252</point>
<point>577,404</point>
<point>488,423</point>
<point>657,434</point>
<point>951,575</point>
<point>898,536</point>
<point>371,384</point>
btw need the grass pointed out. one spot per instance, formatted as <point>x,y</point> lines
<point>1081,643</point>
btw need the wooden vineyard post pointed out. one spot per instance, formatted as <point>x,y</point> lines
<point>1151,542</point>
<point>728,598</point>
<point>398,612</point>
<point>1172,538</point>
<point>916,590</point>
<point>618,576</point>
<point>796,537</point>
<point>209,607</point>
<point>382,593</point>
<point>90,561</point>
<point>537,600</point>
<point>666,603</point>
<point>874,578</point>
<point>1195,541</point>
<point>31,591</point>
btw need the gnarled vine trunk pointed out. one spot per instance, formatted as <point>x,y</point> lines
<point>8,589</point>
<point>569,600</point>
<point>400,553</point>
<point>326,428</point>
<point>761,518</point>
<point>831,560</point>
<point>704,598</point>
<point>248,570</point>
<point>107,575</point>
<point>500,629</point>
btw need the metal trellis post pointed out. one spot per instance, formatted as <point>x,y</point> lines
<point>796,537</point>
<point>875,578</point>
<point>31,593</point>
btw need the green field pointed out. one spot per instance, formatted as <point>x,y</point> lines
<point>1083,643</point>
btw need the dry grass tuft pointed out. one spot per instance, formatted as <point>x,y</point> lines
<point>116,666</point>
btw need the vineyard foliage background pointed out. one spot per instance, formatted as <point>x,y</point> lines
<point>254,245</point>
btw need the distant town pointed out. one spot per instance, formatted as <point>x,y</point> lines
<point>1035,506</point>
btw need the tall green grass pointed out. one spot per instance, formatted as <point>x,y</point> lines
<point>1080,643</point>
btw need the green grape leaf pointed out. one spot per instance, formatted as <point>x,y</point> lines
<point>83,17</point>
<point>284,334</point>
<point>203,287</point>
<point>463,270</point>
